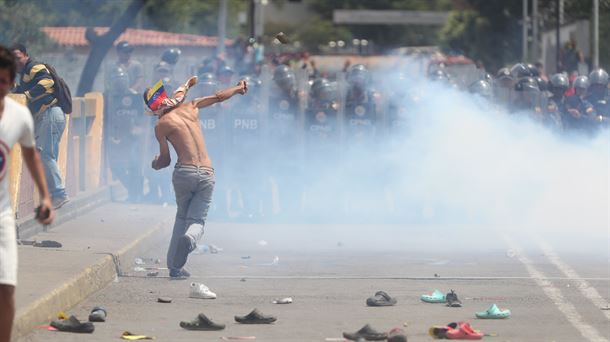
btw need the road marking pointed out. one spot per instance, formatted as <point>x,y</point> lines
<point>587,290</point>
<point>554,294</point>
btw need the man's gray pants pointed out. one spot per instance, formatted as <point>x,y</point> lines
<point>193,186</point>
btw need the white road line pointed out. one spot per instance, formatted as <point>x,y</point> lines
<point>554,294</point>
<point>587,290</point>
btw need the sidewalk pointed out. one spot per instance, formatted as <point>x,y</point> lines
<point>55,279</point>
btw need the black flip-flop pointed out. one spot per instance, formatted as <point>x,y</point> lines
<point>381,298</point>
<point>201,323</point>
<point>72,324</point>
<point>255,317</point>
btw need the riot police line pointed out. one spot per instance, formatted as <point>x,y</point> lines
<point>294,140</point>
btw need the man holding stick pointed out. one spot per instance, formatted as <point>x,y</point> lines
<point>193,176</point>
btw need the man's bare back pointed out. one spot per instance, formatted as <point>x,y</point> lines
<point>180,126</point>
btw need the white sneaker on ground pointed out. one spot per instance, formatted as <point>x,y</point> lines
<point>201,291</point>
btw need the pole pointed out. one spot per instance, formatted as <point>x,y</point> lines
<point>524,37</point>
<point>595,34</point>
<point>535,38</point>
<point>557,40</point>
<point>222,26</point>
<point>252,17</point>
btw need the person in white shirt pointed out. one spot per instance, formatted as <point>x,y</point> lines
<point>16,126</point>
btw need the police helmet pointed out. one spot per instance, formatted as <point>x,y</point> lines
<point>124,46</point>
<point>520,70</point>
<point>559,82</point>
<point>534,72</point>
<point>527,84</point>
<point>481,88</point>
<point>542,84</point>
<point>322,89</point>
<point>438,75</point>
<point>598,76</point>
<point>581,82</point>
<point>358,74</point>
<point>504,73</point>
<point>254,83</point>
<point>171,56</point>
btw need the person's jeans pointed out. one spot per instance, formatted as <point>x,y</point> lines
<point>48,128</point>
<point>193,187</point>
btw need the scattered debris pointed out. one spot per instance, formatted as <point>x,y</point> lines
<point>286,300</point>
<point>367,333</point>
<point>281,37</point>
<point>152,274</point>
<point>133,337</point>
<point>98,314</point>
<point>139,269</point>
<point>164,300</point>
<point>255,317</point>
<point>72,324</point>
<point>334,339</point>
<point>144,261</point>
<point>202,323</point>
<point>48,244</point>
<point>242,279</point>
<point>201,291</point>
<point>381,298</point>
<point>436,275</point>
<point>227,338</point>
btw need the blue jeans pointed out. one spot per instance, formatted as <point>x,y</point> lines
<point>48,128</point>
<point>194,187</point>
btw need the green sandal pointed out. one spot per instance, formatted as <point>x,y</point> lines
<point>436,297</point>
<point>493,313</point>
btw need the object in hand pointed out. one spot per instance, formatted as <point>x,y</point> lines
<point>42,214</point>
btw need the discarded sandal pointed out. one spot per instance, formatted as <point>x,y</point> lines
<point>133,337</point>
<point>397,335</point>
<point>48,244</point>
<point>436,297</point>
<point>72,324</point>
<point>201,291</point>
<point>464,332</point>
<point>203,323</point>
<point>166,300</point>
<point>381,298</point>
<point>440,332</point>
<point>98,314</point>
<point>255,317</point>
<point>367,333</point>
<point>452,300</point>
<point>493,313</point>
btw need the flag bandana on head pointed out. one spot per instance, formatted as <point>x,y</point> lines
<point>156,96</point>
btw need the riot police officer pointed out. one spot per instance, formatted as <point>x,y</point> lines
<point>556,109</point>
<point>597,93</point>
<point>361,117</point>
<point>321,144</point>
<point>580,107</point>
<point>126,125</point>
<point>503,87</point>
<point>284,140</point>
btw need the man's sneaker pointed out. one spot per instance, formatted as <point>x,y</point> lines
<point>452,300</point>
<point>255,317</point>
<point>186,244</point>
<point>201,323</point>
<point>179,274</point>
<point>367,333</point>
<point>381,298</point>
<point>58,202</point>
<point>201,291</point>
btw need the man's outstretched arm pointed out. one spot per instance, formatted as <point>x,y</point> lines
<point>34,164</point>
<point>223,95</point>
<point>163,159</point>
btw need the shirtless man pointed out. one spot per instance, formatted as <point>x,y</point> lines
<point>193,176</point>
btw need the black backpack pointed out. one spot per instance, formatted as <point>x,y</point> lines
<point>61,91</point>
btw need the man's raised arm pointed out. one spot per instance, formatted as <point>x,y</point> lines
<point>223,95</point>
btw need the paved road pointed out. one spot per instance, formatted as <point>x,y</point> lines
<point>555,284</point>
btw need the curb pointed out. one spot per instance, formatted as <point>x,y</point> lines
<point>87,282</point>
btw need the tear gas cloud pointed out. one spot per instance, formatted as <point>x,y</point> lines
<point>462,160</point>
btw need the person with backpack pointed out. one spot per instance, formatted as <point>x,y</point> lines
<point>43,99</point>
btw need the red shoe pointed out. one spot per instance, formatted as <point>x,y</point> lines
<point>463,332</point>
